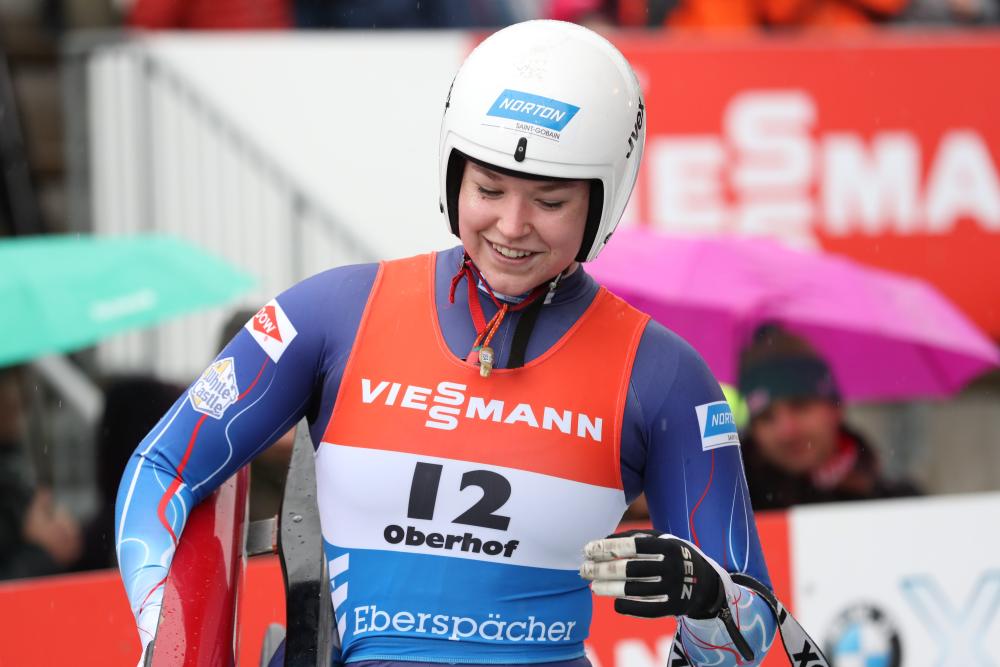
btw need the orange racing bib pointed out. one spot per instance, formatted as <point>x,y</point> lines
<point>455,507</point>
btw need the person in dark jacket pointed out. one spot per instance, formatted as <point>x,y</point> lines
<point>38,536</point>
<point>797,448</point>
<point>132,406</point>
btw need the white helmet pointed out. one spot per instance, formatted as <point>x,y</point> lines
<point>549,99</point>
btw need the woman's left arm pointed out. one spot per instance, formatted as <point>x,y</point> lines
<point>690,468</point>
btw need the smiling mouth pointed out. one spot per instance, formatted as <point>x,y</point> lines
<point>511,253</point>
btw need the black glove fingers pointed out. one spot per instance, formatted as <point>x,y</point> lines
<point>655,546</point>
<point>642,609</point>
<point>646,589</point>
<point>643,569</point>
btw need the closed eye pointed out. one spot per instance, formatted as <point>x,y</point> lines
<point>486,192</point>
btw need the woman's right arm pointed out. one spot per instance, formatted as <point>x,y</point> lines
<point>257,388</point>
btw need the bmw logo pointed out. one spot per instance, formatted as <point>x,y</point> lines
<point>862,636</point>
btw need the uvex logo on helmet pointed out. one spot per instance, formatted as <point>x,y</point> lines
<point>634,137</point>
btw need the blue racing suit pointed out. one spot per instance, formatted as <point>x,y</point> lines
<point>290,365</point>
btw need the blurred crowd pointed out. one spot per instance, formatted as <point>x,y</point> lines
<point>33,33</point>
<point>674,14</point>
<point>59,15</point>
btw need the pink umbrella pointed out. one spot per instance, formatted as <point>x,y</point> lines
<point>886,336</point>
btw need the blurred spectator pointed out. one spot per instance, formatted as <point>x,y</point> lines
<point>210,14</point>
<point>951,12</point>
<point>781,14</point>
<point>728,15</point>
<point>37,535</point>
<point>612,13</point>
<point>269,469</point>
<point>132,407</point>
<point>384,14</point>
<point>797,448</point>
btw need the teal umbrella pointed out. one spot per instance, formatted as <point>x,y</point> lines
<point>62,293</point>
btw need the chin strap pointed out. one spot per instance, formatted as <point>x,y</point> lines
<point>801,649</point>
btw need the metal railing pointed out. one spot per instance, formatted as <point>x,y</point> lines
<point>148,151</point>
<point>19,209</point>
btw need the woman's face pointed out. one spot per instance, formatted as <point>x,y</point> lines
<point>520,232</point>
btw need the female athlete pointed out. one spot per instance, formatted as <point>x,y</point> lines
<point>483,415</point>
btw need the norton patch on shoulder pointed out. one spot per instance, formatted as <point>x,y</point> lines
<point>272,330</point>
<point>716,425</point>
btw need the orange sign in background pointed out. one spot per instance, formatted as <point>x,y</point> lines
<point>884,147</point>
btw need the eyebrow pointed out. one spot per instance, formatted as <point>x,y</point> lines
<point>554,185</point>
<point>548,186</point>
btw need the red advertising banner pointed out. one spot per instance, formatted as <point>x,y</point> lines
<point>924,602</point>
<point>84,619</point>
<point>884,147</point>
<point>95,627</point>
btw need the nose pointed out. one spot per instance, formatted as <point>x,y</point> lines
<point>786,423</point>
<point>514,221</point>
